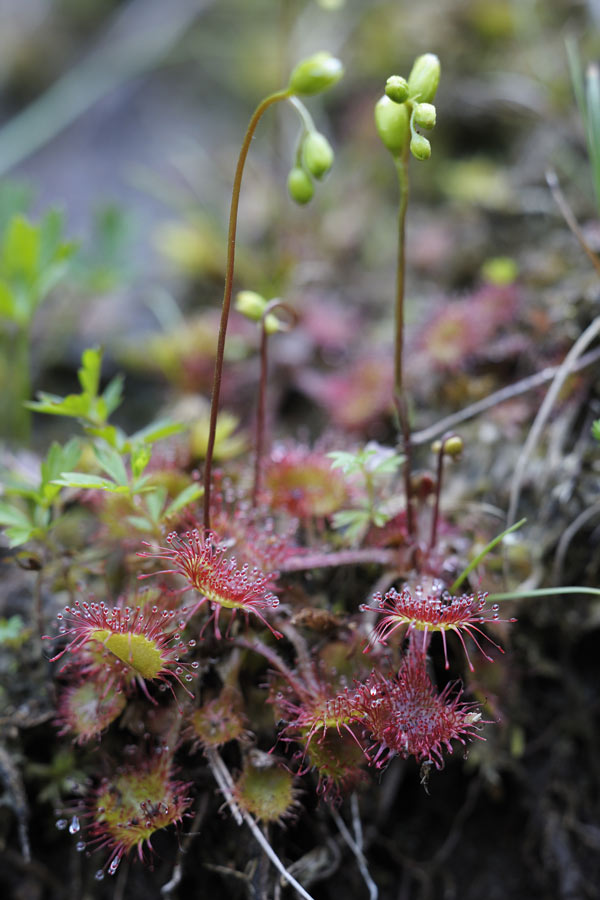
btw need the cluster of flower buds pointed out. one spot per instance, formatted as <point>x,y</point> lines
<point>314,156</point>
<point>406,106</point>
<point>253,305</point>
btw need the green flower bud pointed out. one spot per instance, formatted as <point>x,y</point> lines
<point>316,74</point>
<point>453,446</point>
<point>272,324</point>
<point>420,147</point>
<point>392,123</point>
<point>300,186</point>
<point>424,78</point>
<point>250,304</point>
<point>396,88</point>
<point>317,154</point>
<point>424,115</point>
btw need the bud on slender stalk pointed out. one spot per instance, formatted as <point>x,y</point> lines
<point>420,147</point>
<point>300,186</point>
<point>396,88</point>
<point>453,446</point>
<point>424,78</point>
<point>316,74</point>
<point>272,324</point>
<point>424,115</point>
<point>317,154</point>
<point>250,304</point>
<point>392,123</point>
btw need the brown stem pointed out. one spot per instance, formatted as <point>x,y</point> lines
<point>229,269</point>
<point>567,212</point>
<point>262,389</point>
<point>438,491</point>
<point>260,413</point>
<point>399,391</point>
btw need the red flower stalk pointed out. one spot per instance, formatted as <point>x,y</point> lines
<point>434,611</point>
<point>406,716</point>
<point>219,580</point>
<point>129,807</point>
<point>142,641</point>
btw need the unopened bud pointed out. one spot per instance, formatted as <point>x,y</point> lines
<point>392,123</point>
<point>250,304</point>
<point>420,147</point>
<point>424,115</point>
<point>453,446</point>
<point>396,88</point>
<point>316,74</point>
<point>424,78</point>
<point>317,154</point>
<point>300,186</point>
<point>272,323</point>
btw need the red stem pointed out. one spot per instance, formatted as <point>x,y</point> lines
<point>262,389</point>
<point>399,390</point>
<point>438,491</point>
<point>260,414</point>
<point>229,269</point>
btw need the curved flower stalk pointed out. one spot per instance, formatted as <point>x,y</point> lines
<point>138,644</point>
<point>313,75</point>
<point>204,565</point>
<point>436,610</point>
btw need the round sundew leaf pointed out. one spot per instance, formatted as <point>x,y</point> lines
<point>87,709</point>
<point>219,721</point>
<point>266,793</point>
<point>129,807</point>
<point>136,650</point>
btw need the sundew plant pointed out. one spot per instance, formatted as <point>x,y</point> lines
<point>258,630</point>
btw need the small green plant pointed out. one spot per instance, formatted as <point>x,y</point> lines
<point>31,511</point>
<point>122,459</point>
<point>33,259</point>
<point>374,465</point>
